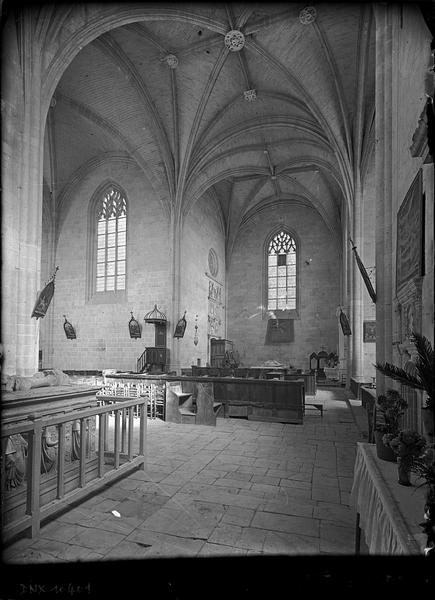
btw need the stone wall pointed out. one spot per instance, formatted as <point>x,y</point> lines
<point>101,324</point>
<point>202,230</point>
<point>413,302</point>
<point>319,280</point>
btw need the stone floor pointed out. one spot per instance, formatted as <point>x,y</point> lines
<point>242,488</point>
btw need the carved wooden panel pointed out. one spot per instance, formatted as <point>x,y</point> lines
<point>215,317</point>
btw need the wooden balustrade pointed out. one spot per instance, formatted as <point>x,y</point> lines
<point>118,391</point>
<point>39,496</point>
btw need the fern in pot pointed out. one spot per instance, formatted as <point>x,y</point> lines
<point>389,410</point>
<point>421,378</point>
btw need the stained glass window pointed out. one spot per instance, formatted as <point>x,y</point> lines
<point>111,241</point>
<point>281,272</point>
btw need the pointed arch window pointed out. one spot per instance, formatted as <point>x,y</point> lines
<point>282,272</point>
<point>111,241</point>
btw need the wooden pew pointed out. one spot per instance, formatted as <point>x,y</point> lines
<point>197,406</point>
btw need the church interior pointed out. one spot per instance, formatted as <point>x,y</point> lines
<point>217,237</point>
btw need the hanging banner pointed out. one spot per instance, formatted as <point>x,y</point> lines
<point>44,298</point>
<point>344,322</point>
<point>69,330</point>
<point>181,327</point>
<point>134,328</point>
<point>430,116</point>
<point>364,273</point>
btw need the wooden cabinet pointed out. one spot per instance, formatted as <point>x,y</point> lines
<point>218,349</point>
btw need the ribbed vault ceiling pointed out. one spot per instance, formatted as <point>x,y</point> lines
<point>305,138</point>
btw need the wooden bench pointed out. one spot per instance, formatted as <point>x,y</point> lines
<point>317,405</point>
<point>180,406</point>
<point>207,407</point>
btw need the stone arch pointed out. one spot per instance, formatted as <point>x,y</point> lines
<point>111,18</point>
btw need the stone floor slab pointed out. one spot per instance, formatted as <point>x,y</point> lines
<point>326,494</point>
<point>336,539</point>
<point>252,538</point>
<point>286,523</point>
<point>237,515</point>
<point>242,487</point>
<point>210,549</point>
<point>94,538</point>
<point>279,543</point>
<point>335,513</point>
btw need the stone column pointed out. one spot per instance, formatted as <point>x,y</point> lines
<point>387,23</point>
<point>22,145</point>
<point>11,108</point>
<point>343,341</point>
<point>174,315</point>
<point>357,283</point>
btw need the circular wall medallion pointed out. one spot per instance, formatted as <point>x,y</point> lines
<point>213,263</point>
<point>234,40</point>
<point>307,15</point>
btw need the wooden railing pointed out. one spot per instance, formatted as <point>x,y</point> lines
<point>23,508</point>
<point>141,362</point>
<point>153,391</point>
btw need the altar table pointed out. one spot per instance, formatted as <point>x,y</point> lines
<point>387,512</point>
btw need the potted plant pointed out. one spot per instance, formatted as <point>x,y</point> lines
<point>408,446</point>
<point>391,407</point>
<point>422,377</point>
<point>424,468</point>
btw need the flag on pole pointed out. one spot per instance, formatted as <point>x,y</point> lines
<point>364,273</point>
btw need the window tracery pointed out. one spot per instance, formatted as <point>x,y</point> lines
<point>281,272</point>
<point>111,217</point>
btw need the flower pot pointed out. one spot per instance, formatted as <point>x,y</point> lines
<point>383,452</point>
<point>404,472</point>
<point>427,416</point>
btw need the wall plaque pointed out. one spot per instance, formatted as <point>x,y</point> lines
<point>280,331</point>
<point>369,331</point>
